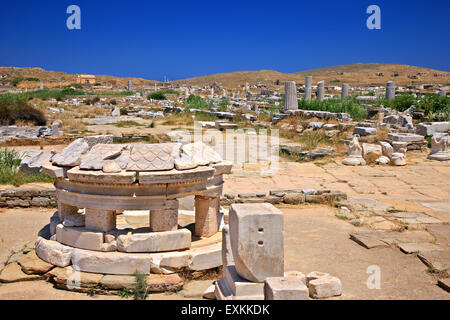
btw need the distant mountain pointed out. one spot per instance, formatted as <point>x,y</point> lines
<point>359,74</point>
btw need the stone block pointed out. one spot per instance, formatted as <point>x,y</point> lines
<point>205,258</point>
<point>80,237</point>
<point>154,241</point>
<point>100,219</point>
<point>53,252</point>
<point>363,131</point>
<point>201,154</point>
<point>32,264</point>
<point>325,287</point>
<point>110,262</point>
<point>206,216</point>
<point>256,233</point>
<point>74,220</point>
<point>285,288</point>
<point>66,210</point>
<point>240,286</point>
<point>93,160</point>
<point>165,219</point>
<point>70,156</point>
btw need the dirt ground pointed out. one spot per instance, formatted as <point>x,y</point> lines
<point>315,239</point>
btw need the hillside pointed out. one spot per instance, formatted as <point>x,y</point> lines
<point>359,74</point>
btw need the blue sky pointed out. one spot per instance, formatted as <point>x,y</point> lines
<point>181,39</point>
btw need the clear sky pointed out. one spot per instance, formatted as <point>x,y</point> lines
<point>181,39</point>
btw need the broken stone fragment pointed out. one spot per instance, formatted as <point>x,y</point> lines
<point>74,220</point>
<point>110,166</point>
<point>70,156</point>
<point>285,288</point>
<point>201,154</point>
<point>93,160</point>
<point>398,159</point>
<point>325,287</point>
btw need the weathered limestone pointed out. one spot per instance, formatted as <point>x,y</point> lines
<point>165,219</point>
<point>285,288</point>
<point>53,252</point>
<point>100,219</point>
<point>93,160</point>
<point>200,153</point>
<point>364,131</point>
<point>344,92</point>
<point>13,273</point>
<point>290,98</point>
<point>430,128</point>
<point>32,264</point>
<point>110,262</point>
<point>400,146</point>
<point>151,157</point>
<point>386,148</point>
<point>354,154</point>
<point>111,166</point>
<point>207,216</point>
<point>205,258</point>
<point>320,90</point>
<point>390,90</point>
<point>439,147</point>
<point>405,137</point>
<point>74,220</point>
<point>75,174</point>
<point>325,287</point>
<point>371,150</point>
<point>308,88</point>
<point>398,159</point>
<point>79,237</point>
<point>71,155</point>
<point>65,210</point>
<point>256,233</point>
<point>154,241</point>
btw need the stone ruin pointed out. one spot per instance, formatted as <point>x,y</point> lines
<point>439,147</point>
<point>354,154</point>
<point>253,260</point>
<point>97,180</point>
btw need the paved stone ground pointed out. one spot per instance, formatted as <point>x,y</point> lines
<point>315,239</point>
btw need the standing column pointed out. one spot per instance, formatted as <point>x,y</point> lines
<point>390,90</point>
<point>206,216</point>
<point>344,92</point>
<point>320,90</point>
<point>442,93</point>
<point>165,219</point>
<point>308,88</point>
<point>290,96</point>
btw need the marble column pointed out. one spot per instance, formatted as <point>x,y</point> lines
<point>290,96</point>
<point>308,88</point>
<point>344,92</point>
<point>206,216</point>
<point>390,90</point>
<point>320,90</point>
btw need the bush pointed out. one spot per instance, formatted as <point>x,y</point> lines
<point>123,111</point>
<point>156,96</point>
<point>433,104</point>
<point>15,107</point>
<point>10,174</point>
<point>402,102</point>
<point>336,106</point>
<point>196,102</point>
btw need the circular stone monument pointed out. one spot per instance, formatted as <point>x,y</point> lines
<point>97,181</point>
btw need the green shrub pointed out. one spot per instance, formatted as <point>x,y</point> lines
<point>123,111</point>
<point>402,102</point>
<point>196,102</point>
<point>15,107</point>
<point>156,96</point>
<point>336,106</point>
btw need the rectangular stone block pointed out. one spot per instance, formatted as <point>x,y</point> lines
<point>53,252</point>
<point>65,210</point>
<point>165,219</point>
<point>206,216</point>
<point>205,258</point>
<point>79,237</point>
<point>110,262</point>
<point>285,288</point>
<point>154,241</point>
<point>325,287</point>
<point>100,219</point>
<point>239,286</point>
<point>256,233</point>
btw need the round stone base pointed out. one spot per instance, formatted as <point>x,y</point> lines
<point>354,161</point>
<point>440,156</point>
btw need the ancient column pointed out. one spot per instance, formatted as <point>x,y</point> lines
<point>442,93</point>
<point>206,216</point>
<point>320,90</point>
<point>41,86</point>
<point>100,219</point>
<point>290,98</point>
<point>165,219</point>
<point>130,85</point>
<point>390,90</point>
<point>308,88</point>
<point>344,92</point>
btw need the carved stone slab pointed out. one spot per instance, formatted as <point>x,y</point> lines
<point>153,157</point>
<point>70,156</point>
<point>93,160</point>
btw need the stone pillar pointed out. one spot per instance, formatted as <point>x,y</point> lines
<point>206,216</point>
<point>290,96</point>
<point>165,219</point>
<point>100,219</point>
<point>308,88</point>
<point>41,86</point>
<point>442,93</point>
<point>390,90</point>
<point>65,210</point>
<point>344,92</point>
<point>320,90</point>
<point>130,85</point>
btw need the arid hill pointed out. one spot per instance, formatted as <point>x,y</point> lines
<point>359,74</point>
